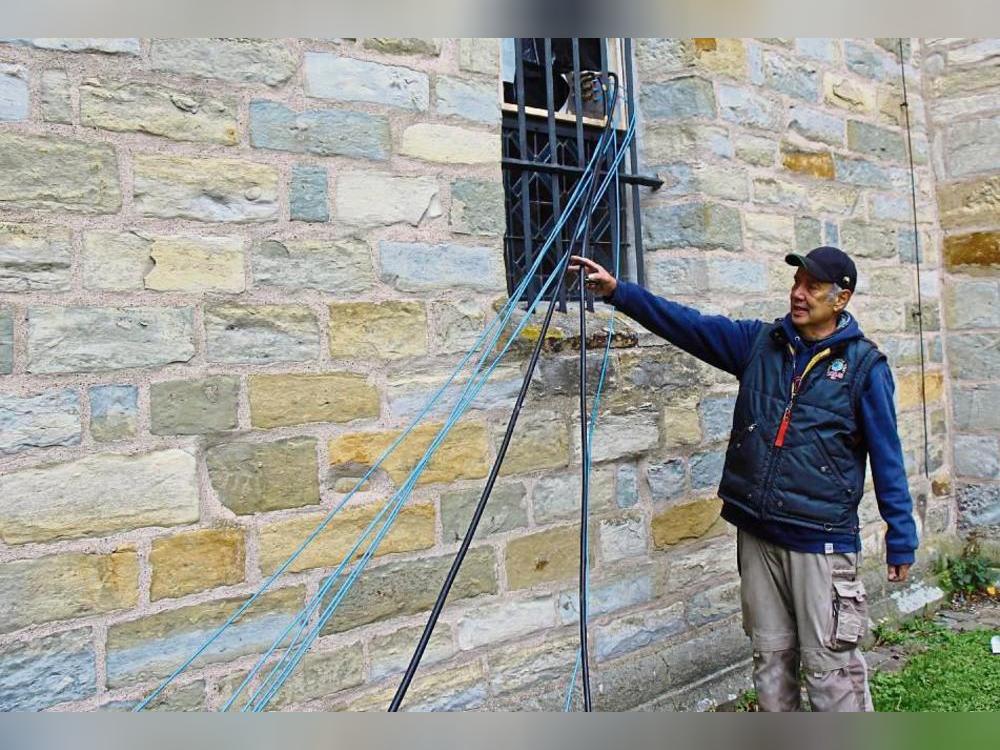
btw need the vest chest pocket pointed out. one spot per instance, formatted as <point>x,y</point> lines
<point>850,615</point>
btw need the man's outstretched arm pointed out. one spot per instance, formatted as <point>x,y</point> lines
<point>715,339</point>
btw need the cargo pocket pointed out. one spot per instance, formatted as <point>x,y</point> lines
<point>850,615</point>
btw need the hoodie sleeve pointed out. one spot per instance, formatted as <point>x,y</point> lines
<point>878,420</point>
<point>715,339</point>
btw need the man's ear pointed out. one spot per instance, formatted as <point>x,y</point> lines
<point>842,299</point>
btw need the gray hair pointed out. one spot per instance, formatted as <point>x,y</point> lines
<point>835,290</point>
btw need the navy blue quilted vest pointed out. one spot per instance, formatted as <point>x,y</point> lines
<point>796,455</point>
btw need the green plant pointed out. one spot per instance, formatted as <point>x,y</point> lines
<point>886,634</point>
<point>747,702</point>
<point>968,574</point>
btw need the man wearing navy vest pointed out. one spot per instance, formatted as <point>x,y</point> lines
<point>815,399</point>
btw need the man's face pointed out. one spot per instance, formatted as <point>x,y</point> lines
<point>811,304</point>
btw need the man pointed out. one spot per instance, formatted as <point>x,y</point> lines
<point>815,399</point>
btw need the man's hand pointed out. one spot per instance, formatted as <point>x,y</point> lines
<point>599,281</point>
<point>899,573</point>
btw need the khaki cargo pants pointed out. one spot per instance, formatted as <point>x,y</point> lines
<point>804,609</point>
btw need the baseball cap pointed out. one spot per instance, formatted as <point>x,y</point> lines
<point>827,264</point>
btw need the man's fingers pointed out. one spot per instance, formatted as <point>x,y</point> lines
<point>580,260</point>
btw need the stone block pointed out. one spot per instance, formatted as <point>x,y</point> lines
<point>780,192</point>
<point>861,172</point>
<point>679,98</point>
<point>637,631</point>
<point>377,330</point>
<point>977,456</point>
<point>733,275</point>
<point>973,356</point>
<point>479,55</point>
<point>849,94</point>
<point>416,267</point>
<point>34,258</point>
<point>114,412</point>
<point>540,441</point>
<point>450,144</point>
<point>61,587</point>
<point>873,140</point>
<point>320,132</point>
<point>973,407</point>
<point>808,233</point>
<point>98,495</point>
<point>816,124</point>
<point>787,75</point>
<point>174,113</point>
<point>622,538</point>
<point>241,61</point>
<point>972,252</point>
<point>817,164</point>
<point>346,79</point>
<point>469,99</point>
<point>868,239</point>
<point>57,173</point>
<point>41,420</point>
<point>477,207</point>
<point>769,232</point>
<point>409,396</point>
<point>44,672</point>
<point>307,194</point>
<point>973,147</point>
<point>223,190</point>
<point>461,688</point>
<point>687,521</point>
<point>700,569</point>
<point>255,477</point>
<point>390,654</point>
<point>743,105</point>
<point>670,275</point>
<point>110,46</point>
<point>506,509</point>
<point>978,506</point>
<point>618,436</point>
<point>826,49</point>
<point>374,199</point>
<point>716,417</point>
<point>409,587</point>
<point>203,264</point>
<point>198,560</point>
<point>321,674</point>
<point>756,150</point>
<point>623,591</point>
<point>260,334</point>
<point>150,648</point>
<point>512,671</point>
<point>412,529</point>
<point>702,225</point>
<point>725,56</point>
<point>680,424</point>
<point>706,470</point>
<point>556,497</point>
<point>404,45</point>
<point>667,481</point>
<point>193,407</point>
<point>283,400</point>
<point>659,56</point>
<point>460,455</point>
<point>542,557</point>
<point>56,101</point>
<point>14,97</point>
<point>503,622</point>
<point>968,204</point>
<point>669,142</point>
<point>334,266</point>
<point>626,486</point>
<point>115,261</point>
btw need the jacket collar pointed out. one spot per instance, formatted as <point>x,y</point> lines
<point>784,332</point>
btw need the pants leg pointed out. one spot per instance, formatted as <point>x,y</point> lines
<point>768,618</point>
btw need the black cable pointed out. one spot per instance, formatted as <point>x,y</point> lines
<point>501,454</point>
<point>585,449</point>
<point>916,256</point>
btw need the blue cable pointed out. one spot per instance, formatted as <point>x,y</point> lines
<point>459,409</point>
<point>505,318</point>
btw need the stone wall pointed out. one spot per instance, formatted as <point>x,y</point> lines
<point>232,270</point>
<point>963,85</point>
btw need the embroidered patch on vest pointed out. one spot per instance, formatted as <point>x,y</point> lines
<point>837,369</point>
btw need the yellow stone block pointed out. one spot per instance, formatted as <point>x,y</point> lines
<point>547,556</point>
<point>60,587</point>
<point>461,455</point>
<point>969,204</point>
<point>281,400</point>
<point>680,425</point>
<point>412,529</point>
<point>908,389</point>
<point>195,561</point>
<point>977,250</point>
<point>723,56</point>
<point>540,441</point>
<point>688,521</point>
<point>205,264</point>
<point>812,163</point>
<point>450,144</point>
<point>377,330</point>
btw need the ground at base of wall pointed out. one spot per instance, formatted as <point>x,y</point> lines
<point>939,663</point>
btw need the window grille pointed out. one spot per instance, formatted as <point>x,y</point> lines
<point>550,129</point>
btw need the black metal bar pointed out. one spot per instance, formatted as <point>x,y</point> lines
<point>640,268</point>
<point>553,159</point>
<point>578,99</point>
<point>650,181</point>
<point>612,195</point>
<point>528,255</point>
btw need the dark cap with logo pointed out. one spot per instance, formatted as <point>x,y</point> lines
<point>827,264</point>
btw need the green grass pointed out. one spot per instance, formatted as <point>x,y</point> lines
<point>956,672</point>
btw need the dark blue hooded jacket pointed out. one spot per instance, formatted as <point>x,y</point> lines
<point>728,345</point>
